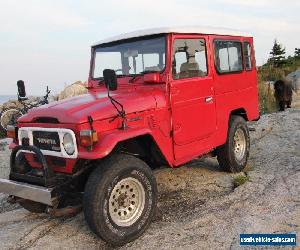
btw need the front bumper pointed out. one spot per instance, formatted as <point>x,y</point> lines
<point>44,189</point>
<point>27,191</point>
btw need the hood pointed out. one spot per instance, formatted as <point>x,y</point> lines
<point>75,110</point>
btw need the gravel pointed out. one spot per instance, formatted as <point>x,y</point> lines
<point>198,208</point>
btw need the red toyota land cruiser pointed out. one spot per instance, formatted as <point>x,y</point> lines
<point>156,97</point>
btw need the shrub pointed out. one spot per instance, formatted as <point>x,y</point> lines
<point>2,134</point>
<point>270,73</point>
<point>240,180</point>
<point>267,102</point>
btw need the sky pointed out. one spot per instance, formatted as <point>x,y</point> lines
<point>48,42</point>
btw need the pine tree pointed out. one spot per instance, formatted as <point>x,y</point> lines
<point>277,55</point>
<point>297,53</point>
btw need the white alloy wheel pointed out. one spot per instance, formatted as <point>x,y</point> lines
<point>126,202</point>
<point>239,144</point>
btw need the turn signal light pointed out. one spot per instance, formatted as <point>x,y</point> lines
<point>11,132</point>
<point>88,138</point>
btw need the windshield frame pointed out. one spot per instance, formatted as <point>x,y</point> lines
<point>134,39</point>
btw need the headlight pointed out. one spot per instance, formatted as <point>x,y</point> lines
<point>69,144</point>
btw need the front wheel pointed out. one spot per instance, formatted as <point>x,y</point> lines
<point>233,155</point>
<point>120,199</point>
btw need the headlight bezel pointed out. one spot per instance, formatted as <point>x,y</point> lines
<point>68,144</point>
<point>24,134</point>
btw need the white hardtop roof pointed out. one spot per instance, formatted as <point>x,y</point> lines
<point>180,29</point>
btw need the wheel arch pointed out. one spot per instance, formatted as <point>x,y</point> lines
<point>138,142</point>
<point>144,147</point>
<point>241,112</point>
<point>225,124</point>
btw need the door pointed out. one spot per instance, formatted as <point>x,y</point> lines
<point>192,91</point>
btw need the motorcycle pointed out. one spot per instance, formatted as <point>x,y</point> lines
<point>10,116</point>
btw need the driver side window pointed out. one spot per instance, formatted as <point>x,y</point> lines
<point>189,58</point>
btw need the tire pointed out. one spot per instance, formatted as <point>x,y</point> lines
<point>9,117</point>
<point>233,155</point>
<point>33,207</point>
<point>120,199</point>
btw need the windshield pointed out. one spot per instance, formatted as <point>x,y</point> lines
<point>131,58</point>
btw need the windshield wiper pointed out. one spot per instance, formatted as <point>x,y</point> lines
<point>141,74</point>
<point>101,80</point>
<point>134,77</point>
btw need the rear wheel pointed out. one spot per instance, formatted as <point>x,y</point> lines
<point>233,155</point>
<point>120,199</point>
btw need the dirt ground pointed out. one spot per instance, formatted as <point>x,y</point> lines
<point>199,208</point>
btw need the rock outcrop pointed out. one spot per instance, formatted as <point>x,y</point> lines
<point>294,77</point>
<point>77,88</point>
<point>198,206</point>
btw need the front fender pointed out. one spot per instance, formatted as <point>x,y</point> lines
<point>108,140</point>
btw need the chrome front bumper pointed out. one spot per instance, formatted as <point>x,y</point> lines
<point>27,191</point>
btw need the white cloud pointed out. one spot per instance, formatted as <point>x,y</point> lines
<point>253,3</point>
<point>19,15</point>
<point>271,4</point>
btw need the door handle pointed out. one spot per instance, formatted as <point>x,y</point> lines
<point>209,99</point>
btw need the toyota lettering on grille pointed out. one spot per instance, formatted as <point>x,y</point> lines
<point>46,141</point>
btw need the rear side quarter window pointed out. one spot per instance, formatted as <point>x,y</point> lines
<point>228,56</point>
<point>247,55</point>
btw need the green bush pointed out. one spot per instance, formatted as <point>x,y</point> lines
<point>267,102</point>
<point>268,72</point>
<point>2,134</point>
<point>240,180</point>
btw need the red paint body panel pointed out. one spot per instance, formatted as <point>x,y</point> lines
<point>66,167</point>
<point>75,110</point>
<point>175,113</point>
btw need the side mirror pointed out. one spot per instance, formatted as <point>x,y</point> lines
<point>152,78</point>
<point>21,89</point>
<point>110,79</point>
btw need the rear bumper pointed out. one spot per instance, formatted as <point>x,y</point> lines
<point>27,191</point>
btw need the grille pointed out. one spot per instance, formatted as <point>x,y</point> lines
<point>46,140</point>
<point>56,161</point>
